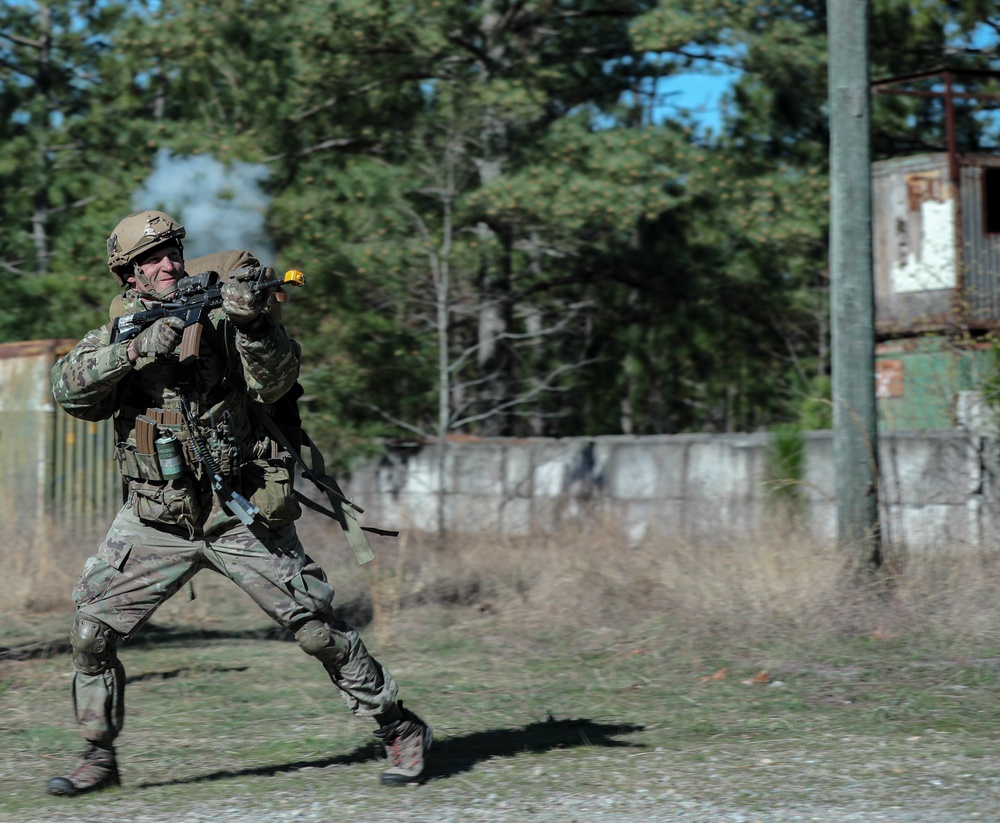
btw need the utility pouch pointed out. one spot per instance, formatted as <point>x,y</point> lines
<point>269,486</point>
<point>174,503</point>
<point>134,465</point>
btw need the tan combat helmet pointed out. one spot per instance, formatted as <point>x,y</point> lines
<point>139,234</point>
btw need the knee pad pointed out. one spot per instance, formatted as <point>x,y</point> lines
<point>323,642</point>
<point>95,645</point>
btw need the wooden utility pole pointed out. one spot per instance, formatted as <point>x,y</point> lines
<point>852,294</point>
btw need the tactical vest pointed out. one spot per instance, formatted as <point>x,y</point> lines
<point>204,405</point>
<point>259,444</point>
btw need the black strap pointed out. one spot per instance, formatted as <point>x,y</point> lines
<point>316,507</point>
<point>342,508</point>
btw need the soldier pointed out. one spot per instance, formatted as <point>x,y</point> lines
<point>175,521</point>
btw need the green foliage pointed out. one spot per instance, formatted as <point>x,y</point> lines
<point>909,38</point>
<point>504,231</point>
<point>68,111</point>
<point>815,408</point>
<point>53,306</point>
<point>989,378</point>
<point>786,465</point>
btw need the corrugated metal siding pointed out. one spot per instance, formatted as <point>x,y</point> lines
<point>52,466</point>
<point>980,250</point>
<point>931,275</point>
<point>85,483</point>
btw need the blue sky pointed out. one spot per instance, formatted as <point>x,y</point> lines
<point>699,93</point>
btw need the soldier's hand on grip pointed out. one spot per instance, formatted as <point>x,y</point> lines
<point>240,303</point>
<point>161,338</point>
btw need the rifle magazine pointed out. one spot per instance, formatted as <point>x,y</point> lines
<point>191,342</point>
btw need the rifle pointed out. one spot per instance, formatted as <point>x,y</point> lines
<point>194,297</point>
<point>231,499</point>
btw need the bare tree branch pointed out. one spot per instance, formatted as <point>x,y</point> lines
<point>544,386</point>
<point>401,423</point>
<point>22,41</point>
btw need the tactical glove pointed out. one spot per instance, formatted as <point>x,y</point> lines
<point>240,303</point>
<point>160,338</point>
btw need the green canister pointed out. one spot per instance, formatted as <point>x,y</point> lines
<point>168,450</point>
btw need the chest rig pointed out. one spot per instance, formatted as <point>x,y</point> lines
<point>198,404</point>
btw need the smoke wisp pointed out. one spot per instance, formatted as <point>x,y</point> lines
<point>221,206</point>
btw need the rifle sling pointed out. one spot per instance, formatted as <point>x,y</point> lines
<point>316,507</point>
<point>343,514</point>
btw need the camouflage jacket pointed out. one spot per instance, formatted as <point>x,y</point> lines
<point>234,369</point>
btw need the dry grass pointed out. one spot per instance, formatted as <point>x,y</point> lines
<point>565,673</point>
<point>773,584</point>
<point>42,560</point>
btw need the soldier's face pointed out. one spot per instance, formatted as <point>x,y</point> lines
<point>159,271</point>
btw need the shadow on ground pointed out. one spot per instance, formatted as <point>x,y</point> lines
<point>457,754</point>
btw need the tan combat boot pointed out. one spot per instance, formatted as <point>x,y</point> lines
<point>406,742</point>
<point>99,770</point>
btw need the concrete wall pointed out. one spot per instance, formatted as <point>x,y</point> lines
<point>938,486</point>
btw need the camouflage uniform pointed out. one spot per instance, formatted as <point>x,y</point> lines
<point>168,530</point>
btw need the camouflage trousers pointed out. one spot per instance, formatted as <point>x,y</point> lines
<point>138,567</point>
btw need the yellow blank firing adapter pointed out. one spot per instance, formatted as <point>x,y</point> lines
<point>293,277</point>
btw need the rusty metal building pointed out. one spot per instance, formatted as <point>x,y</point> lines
<point>53,468</point>
<point>936,248</point>
<point>936,245</point>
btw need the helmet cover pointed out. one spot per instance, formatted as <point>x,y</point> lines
<point>137,235</point>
